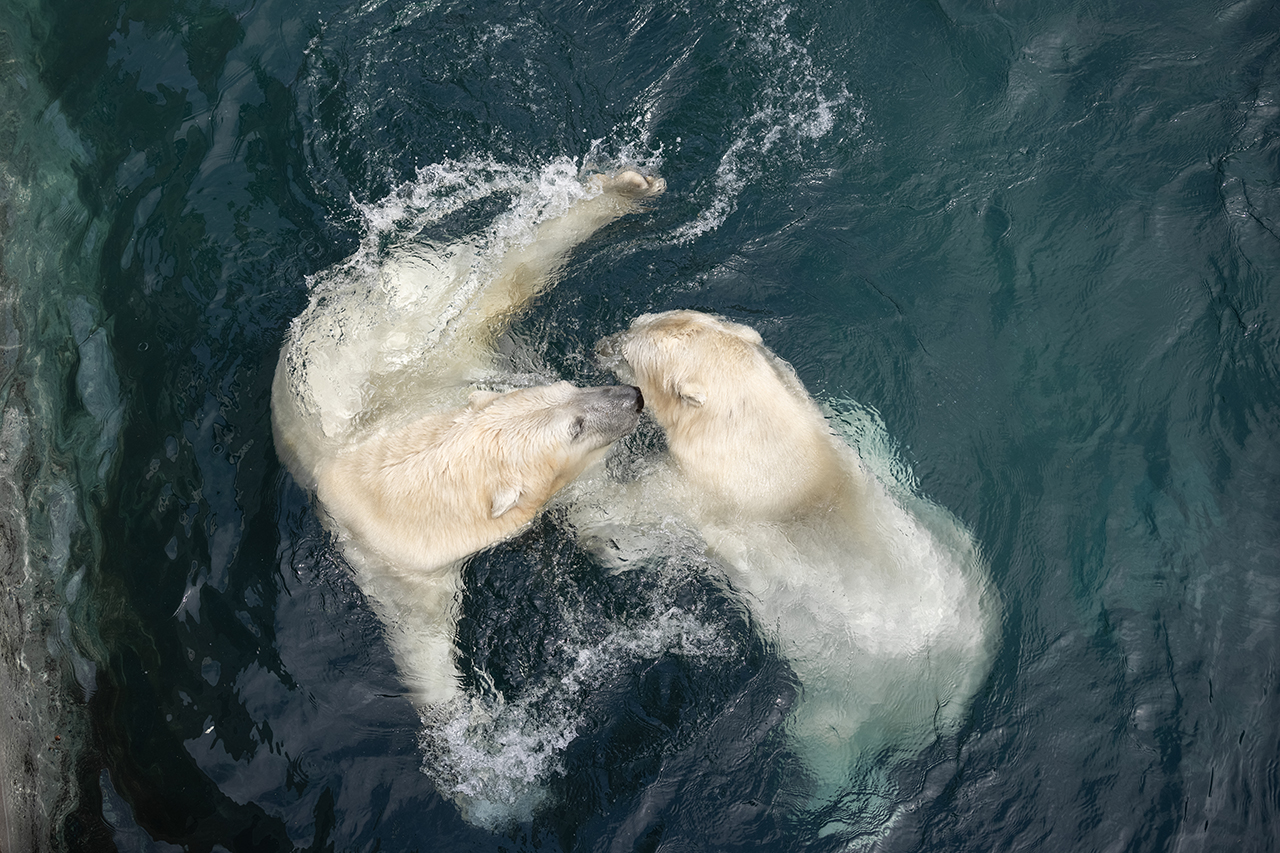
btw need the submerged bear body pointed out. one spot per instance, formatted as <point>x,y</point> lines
<point>877,597</point>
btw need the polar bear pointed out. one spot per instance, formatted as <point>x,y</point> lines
<point>390,404</point>
<point>878,598</point>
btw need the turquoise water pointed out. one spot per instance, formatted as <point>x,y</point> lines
<point>1041,241</point>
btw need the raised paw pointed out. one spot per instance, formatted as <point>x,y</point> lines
<point>631,183</point>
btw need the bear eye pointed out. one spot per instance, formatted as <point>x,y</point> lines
<point>576,428</point>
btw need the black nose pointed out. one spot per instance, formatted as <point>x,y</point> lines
<point>628,392</point>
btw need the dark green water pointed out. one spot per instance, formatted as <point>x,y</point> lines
<point>1041,240</point>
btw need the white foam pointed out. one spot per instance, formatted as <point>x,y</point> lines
<point>494,758</point>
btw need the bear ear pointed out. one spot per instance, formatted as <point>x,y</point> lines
<point>691,393</point>
<point>504,500</point>
<point>480,399</point>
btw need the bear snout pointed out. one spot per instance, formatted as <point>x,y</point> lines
<point>611,411</point>
<point>627,397</point>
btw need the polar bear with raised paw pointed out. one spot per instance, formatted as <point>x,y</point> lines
<point>390,404</point>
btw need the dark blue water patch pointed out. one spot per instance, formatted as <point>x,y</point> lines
<point>223,725</point>
<point>528,84</point>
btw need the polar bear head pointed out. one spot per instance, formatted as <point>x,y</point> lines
<point>429,493</point>
<point>532,442</point>
<point>740,427</point>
